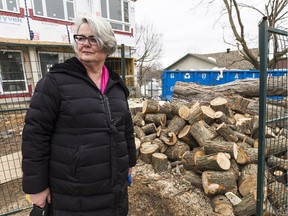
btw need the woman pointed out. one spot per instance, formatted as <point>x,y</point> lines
<point>78,143</point>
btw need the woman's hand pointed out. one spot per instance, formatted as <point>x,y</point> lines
<point>41,198</point>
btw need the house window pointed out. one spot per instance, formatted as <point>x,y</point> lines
<point>117,13</point>
<point>60,9</point>
<point>48,59</point>
<point>12,74</point>
<point>9,5</point>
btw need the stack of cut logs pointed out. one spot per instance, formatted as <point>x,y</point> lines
<point>214,146</point>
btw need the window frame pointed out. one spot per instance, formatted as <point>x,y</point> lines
<point>26,90</point>
<point>5,7</point>
<point>123,24</point>
<point>65,7</point>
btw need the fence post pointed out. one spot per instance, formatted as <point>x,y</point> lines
<point>263,52</point>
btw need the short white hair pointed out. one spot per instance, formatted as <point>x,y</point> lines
<point>101,29</point>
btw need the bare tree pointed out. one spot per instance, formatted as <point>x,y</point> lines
<point>148,48</point>
<point>276,12</point>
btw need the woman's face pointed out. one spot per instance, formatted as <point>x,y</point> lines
<point>87,52</point>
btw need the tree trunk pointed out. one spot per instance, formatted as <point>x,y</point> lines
<point>211,147</point>
<point>240,104</point>
<point>185,136</point>
<point>200,133</point>
<point>222,205</point>
<point>150,106</point>
<point>149,128</point>
<point>216,162</point>
<point>225,131</point>
<point>176,124</point>
<point>159,119</point>
<point>159,162</point>
<point>176,151</point>
<point>218,182</point>
<point>247,206</point>
<point>147,151</point>
<point>248,180</point>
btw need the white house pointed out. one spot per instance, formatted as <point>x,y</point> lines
<point>35,34</point>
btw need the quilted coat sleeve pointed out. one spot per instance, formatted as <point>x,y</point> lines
<point>39,125</point>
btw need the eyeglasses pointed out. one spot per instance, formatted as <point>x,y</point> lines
<point>81,39</point>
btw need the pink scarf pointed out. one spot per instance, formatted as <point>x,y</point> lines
<point>104,79</point>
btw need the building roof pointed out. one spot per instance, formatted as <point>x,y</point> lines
<point>228,59</point>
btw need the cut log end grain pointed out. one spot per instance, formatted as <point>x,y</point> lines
<point>147,151</point>
<point>222,205</point>
<point>218,162</point>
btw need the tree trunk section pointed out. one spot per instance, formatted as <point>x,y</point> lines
<point>159,162</point>
<point>138,119</point>
<point>159,119</point>
<point>211,147</point>
<point>221,104</point>
<point>194,179</point>
<point>148,137</point>
<point>176,124</point>
<point>150,106</point>
<point>218,182</point>
<point>225,131</point>
<point>185,136</point>
<point>167,136</point>
<point>277,194</point>
<point>247,155</point>
<point>139,133</point>
<point>247,206</point>
<point>149,128</point>
<point>222,205</point>
<point>147,151</point>
<point>189,158</point>
<point>277,162</point>
<point>192,114</point>
<point>248,180</point>
<point>220,117</point>
<point>208,114</point>
<point>200,133</point>
<point>276,146</point>
<point>240,104</point>
<point>216,162</point>
<point>176,151</point>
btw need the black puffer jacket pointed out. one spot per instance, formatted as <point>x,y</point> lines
<point>79,143</point>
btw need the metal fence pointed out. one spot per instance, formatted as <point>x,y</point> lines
<point>272,188</point>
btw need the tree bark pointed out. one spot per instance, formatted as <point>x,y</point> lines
<point>248,180</point>
<point>150,106</point>
<point>176,124</point>
<point>247,206</point>
<point>159,119</point>
<point>218,182</point>
<point>216,162</point>
<point>159,162</point>
<point>176,151</point>
<point>200,133</point>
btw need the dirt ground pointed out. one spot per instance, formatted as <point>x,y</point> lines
<point>153,194</point>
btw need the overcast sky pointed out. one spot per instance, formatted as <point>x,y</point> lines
<point>187,29</point>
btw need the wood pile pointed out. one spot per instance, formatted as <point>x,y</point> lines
<point>214,146</point>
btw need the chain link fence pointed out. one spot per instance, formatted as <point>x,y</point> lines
<point>272,187</point>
